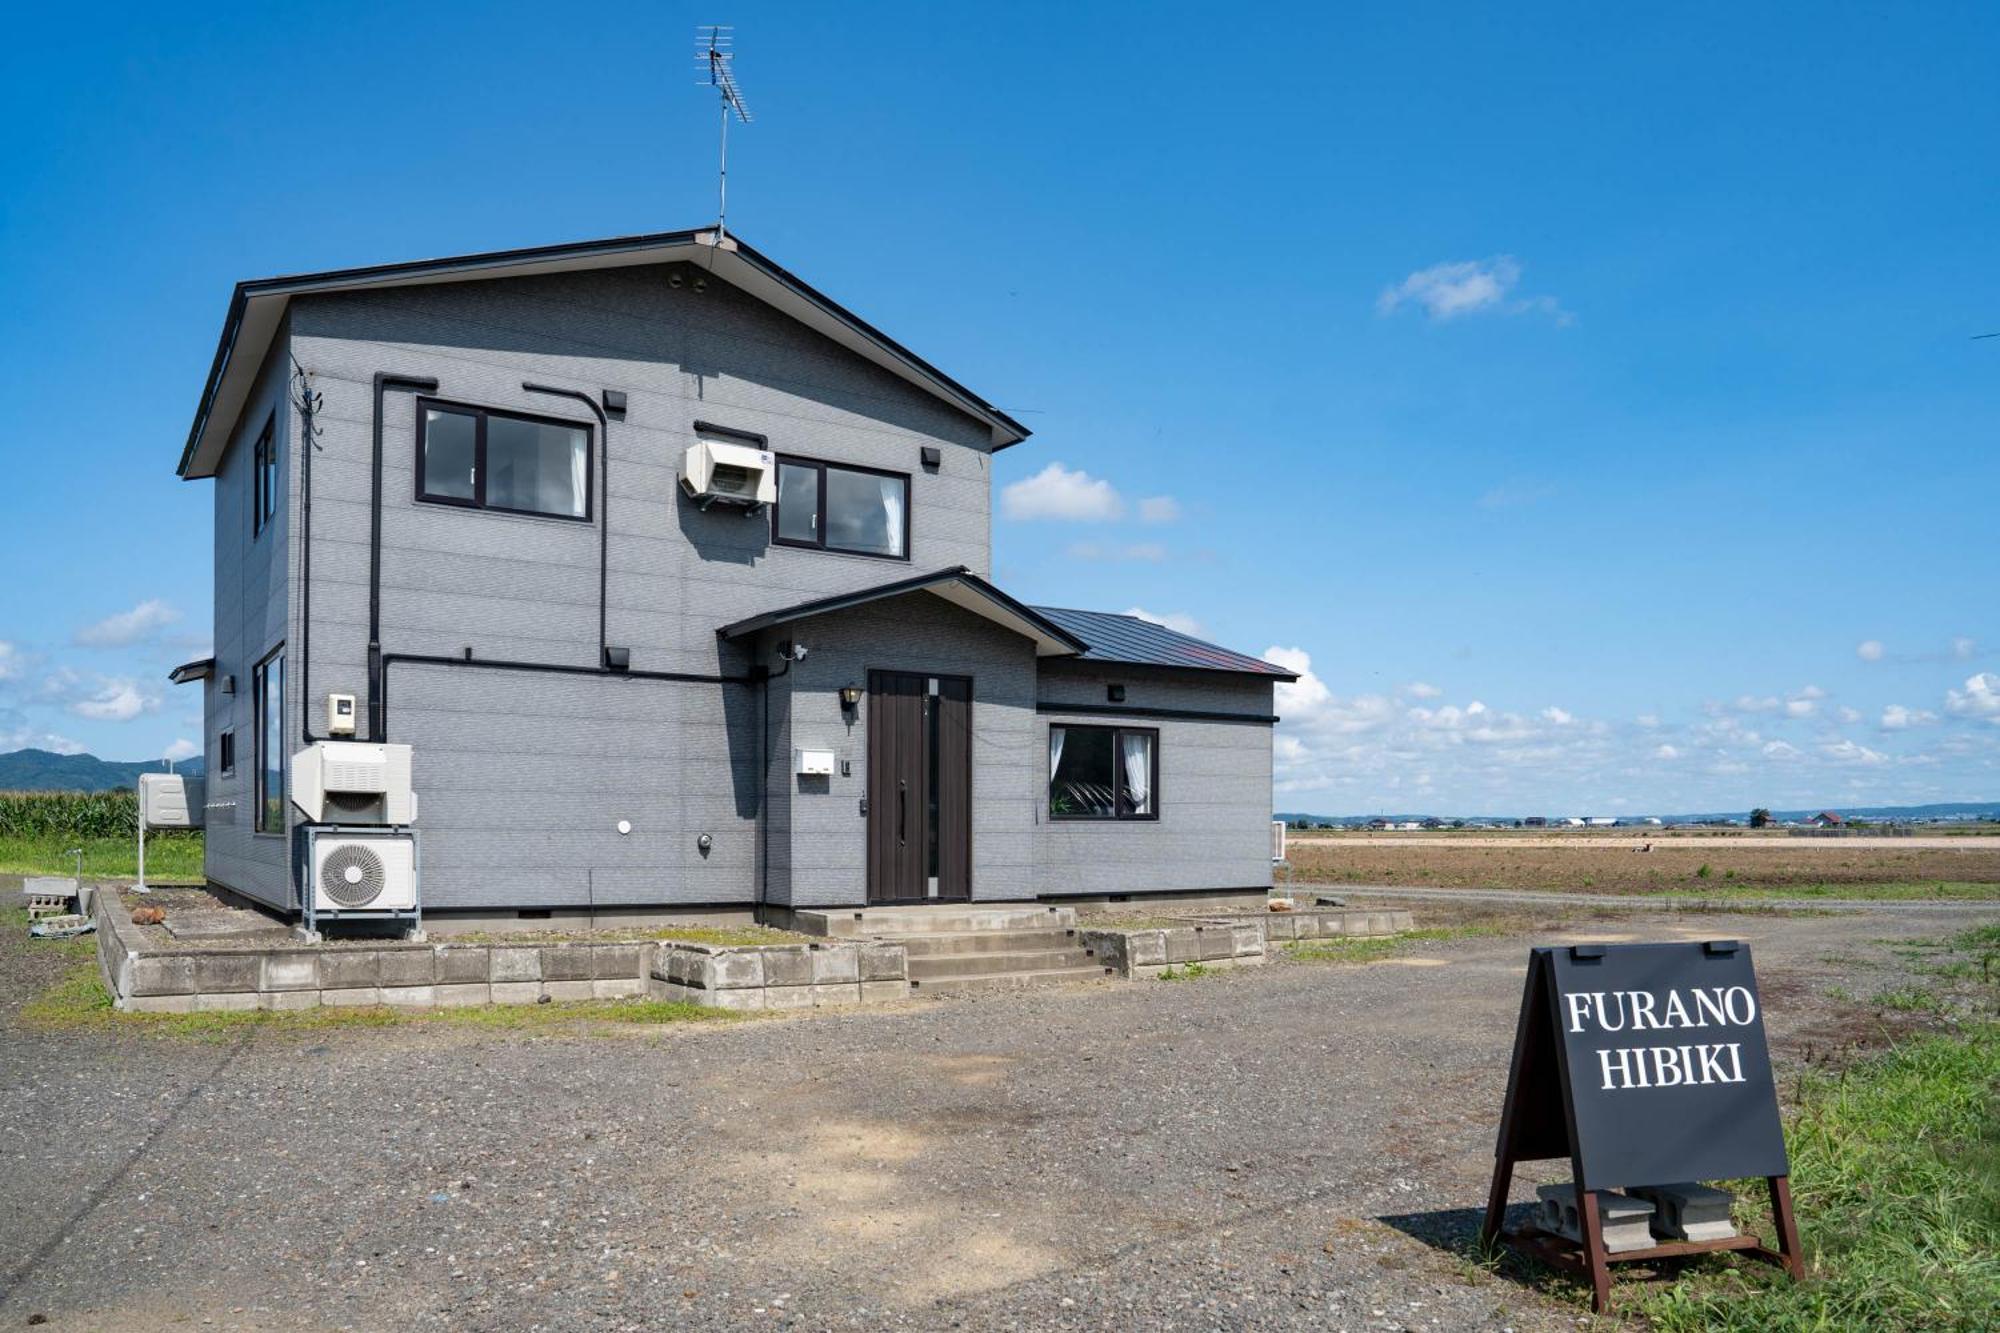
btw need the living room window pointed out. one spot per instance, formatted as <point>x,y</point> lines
<point>1104,772</point>
<point>482,459</point>
<point>833,507</point>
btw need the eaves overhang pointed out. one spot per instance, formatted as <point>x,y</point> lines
<point>957,585</point>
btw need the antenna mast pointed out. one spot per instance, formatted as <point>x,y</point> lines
<point>714,57</point>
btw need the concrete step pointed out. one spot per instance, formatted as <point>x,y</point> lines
<point>931,919</point>
<point>992,964</point>
<point>1058,976</point>
<point>987,941</point>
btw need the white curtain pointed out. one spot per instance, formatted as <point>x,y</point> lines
<point>1055,751</point>
<point>579,456</point>
<point>1138,757</point>
<point>892,510</point>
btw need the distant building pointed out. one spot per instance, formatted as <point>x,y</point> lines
<point>1826,819</point>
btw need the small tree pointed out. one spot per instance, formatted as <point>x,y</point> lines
<point>1760,818</point>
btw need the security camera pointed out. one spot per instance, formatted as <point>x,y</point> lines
<point>798,652</point>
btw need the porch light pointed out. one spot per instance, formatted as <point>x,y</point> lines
<point>849,696</point>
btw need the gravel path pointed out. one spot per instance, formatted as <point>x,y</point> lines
<point>1258,1149</point>
<point>1655,902</point>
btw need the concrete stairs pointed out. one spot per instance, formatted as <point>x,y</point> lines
<point>954,948</point>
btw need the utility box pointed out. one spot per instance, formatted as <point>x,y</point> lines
<point>340,715</point>
<point>813,763</point>
<point>171,800</point>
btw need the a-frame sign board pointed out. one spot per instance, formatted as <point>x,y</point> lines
<point>1644,1064</point>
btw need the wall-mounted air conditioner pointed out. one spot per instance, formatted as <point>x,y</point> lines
<point>363,872</point>
<point>718,472</point>
<point>353,782</point>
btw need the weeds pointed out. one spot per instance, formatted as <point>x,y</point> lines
<point>1186,972</point>
<point>1374,948</point>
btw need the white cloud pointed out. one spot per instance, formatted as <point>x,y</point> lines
<point>1650,721</point>
<point>1159,509</point>
<point>1560,717</point>
<point>1178,621</point>
<point>1749,703</point>
<point>181,749</point>
<point>1417,689</point>
<point>113,699</point>
<point>32,738</point>
<point>1869,650</point>
<point>1898,718</point>
<point>1468,286</point>
<point>128,627</point>
<point>1979,699</point>
<point>1058,493</point>
<point>1849,715</point>
<point>1781,750</point>
<point>1847,752</point>
<point>1666,752</point>
<point>10,661</point>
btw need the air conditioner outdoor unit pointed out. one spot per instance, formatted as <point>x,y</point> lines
<point>369,872</point>
<point>353,782</point>
<point>717,472</point>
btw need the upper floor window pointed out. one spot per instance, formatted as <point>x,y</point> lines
<point>1104,773</point>
<point>502,460</point>
<point>267,697</point>
<point>838,508</point>
<point>265,464</point>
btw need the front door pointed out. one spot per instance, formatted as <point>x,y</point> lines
<point>919,787</point>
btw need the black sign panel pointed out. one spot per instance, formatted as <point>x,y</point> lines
<point>1646,1064</point>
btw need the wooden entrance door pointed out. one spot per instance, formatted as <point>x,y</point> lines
<point>919,787</point>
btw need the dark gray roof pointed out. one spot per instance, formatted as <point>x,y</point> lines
<point>1114,638</point>
<point>957,585</point>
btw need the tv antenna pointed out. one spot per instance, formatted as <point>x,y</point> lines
<point>714,58</point>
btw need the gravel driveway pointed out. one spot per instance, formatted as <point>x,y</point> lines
<point>1259,1149</point>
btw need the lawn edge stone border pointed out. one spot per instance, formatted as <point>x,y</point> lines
<point>1228,941</point>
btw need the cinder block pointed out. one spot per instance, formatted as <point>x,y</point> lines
<point>827,994</point>
<point>516,992</point>
<point>290,972</point>
<point>410,997</point>
<point>884,992</point>
<point>461,964</point>
<point>284,1001</point>
<point>162,976</point>
<point>406,967</point>
<point>566,962</point>
<point>1282,926</point>
<point>516,964</point>
<point>346,996</point>
<point>159,1004</point>
<point>1182,946</point>
<point>1627,1223</point>
<point>225,1001</point>
<point>1688,1211</point>
<point>680,966</point>
<point>349,969</point>
<point>567,991</point>
<point>838,963</point>
<point>617,962</point>
<point>752,998</point>
<point>1146,948</point>
<point>735,971</point>
<point>463,994</point>
<point>671,992</point>
<point>788,997</point>
<point>617,988</point>
<point>884,962</point>
<point>788,967</point>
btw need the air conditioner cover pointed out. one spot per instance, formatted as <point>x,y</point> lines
<point>715,470</point>
<point>375,873</point>
<point>172,800</point>
<point>353,782</point>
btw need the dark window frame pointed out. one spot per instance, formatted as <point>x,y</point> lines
<point>261,722</point>
<point>264,483</point>
<point>1119,814</point>
<point>225,752</point>
<point>820,465</point>
<point>480,415</point>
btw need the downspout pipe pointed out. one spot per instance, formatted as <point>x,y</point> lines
<point>604,507</point>
<point>384,381</point>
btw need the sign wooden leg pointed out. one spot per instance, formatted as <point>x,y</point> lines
<point>1496,1202</point>
<point>1788,1226</point>
<point>1593,1249</point>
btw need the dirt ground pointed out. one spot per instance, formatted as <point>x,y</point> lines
<point>1608,865</point>
<point>1302,1145</point>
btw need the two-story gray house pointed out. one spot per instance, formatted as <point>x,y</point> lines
<point>481,532</point>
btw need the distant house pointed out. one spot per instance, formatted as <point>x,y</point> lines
<point>1827,819</point>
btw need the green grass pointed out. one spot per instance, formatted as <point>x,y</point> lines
<point>1896,1178</point>
<point>1374,948</point>
<point>1184,972</point>
<point>1884,892</point>
<point>170,858</point>
<point>79,1002</point>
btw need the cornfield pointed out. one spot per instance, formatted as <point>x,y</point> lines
<point>72,814</point>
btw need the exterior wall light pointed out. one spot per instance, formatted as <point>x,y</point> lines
<point>850,696</point>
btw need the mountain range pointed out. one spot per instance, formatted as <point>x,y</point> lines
<point>43,770</point>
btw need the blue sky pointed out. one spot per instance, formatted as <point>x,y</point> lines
<point>1588,395</point>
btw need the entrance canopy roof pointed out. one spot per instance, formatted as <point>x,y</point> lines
<point>957,585</point>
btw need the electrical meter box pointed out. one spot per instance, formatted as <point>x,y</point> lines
<point>814,763</point>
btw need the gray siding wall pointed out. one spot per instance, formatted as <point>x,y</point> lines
<point>252,610</point>
<point>523,778</point>
<point>827,863</point>
<point>1215,787</point>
